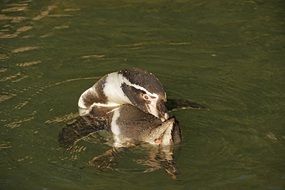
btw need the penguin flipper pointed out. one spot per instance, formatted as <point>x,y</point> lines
<point>182,104</point>
<point>81,127</point>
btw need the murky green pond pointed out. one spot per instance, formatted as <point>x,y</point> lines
<point>228,55</point>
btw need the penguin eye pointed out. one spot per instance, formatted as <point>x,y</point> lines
<point>145,96</point>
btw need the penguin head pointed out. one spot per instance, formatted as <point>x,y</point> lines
<point>145,92</point>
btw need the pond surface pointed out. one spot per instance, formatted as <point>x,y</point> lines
<point>227,55</point>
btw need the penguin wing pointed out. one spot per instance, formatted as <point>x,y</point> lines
<point>81,127</point>
<point>182,104</point>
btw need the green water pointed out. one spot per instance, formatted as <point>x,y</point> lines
<point>228,55</point>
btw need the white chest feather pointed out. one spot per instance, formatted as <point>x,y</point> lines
<point>114,126</point>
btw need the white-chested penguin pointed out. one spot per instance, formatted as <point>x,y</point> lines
<point>132,102</point>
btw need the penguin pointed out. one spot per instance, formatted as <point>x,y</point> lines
<point>129,103</point>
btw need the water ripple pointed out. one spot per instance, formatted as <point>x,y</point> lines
<point>96,56</point>
<point>11,77</point>
<point>5,146</point>
<point>151,43</point>
<point>15,8</point>
<point>4,97</point>
<point>24,49</point>
<point>19,122</point>
<point>21,105</point>
<point>12,19</point>
<point>44,13</point>
<point>3,56</point>
<point>29,63</point>
<point>19,31</point>
<point>63,118</point>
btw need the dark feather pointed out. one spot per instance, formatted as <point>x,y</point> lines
<point>80,127</point>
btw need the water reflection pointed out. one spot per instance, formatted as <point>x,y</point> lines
<point>44,13</point>
<point>29,63</point>
<point>4,97</point>
<point>12,19</point>
<point>19,122</point>
<point>5,146</point>
<point>13,13</point>
<point>15,7</point>
<point>160,157</point>
<point>24,49</point>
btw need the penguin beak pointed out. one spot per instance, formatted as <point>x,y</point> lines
<point>157,108</point>
<point>162,110</point>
